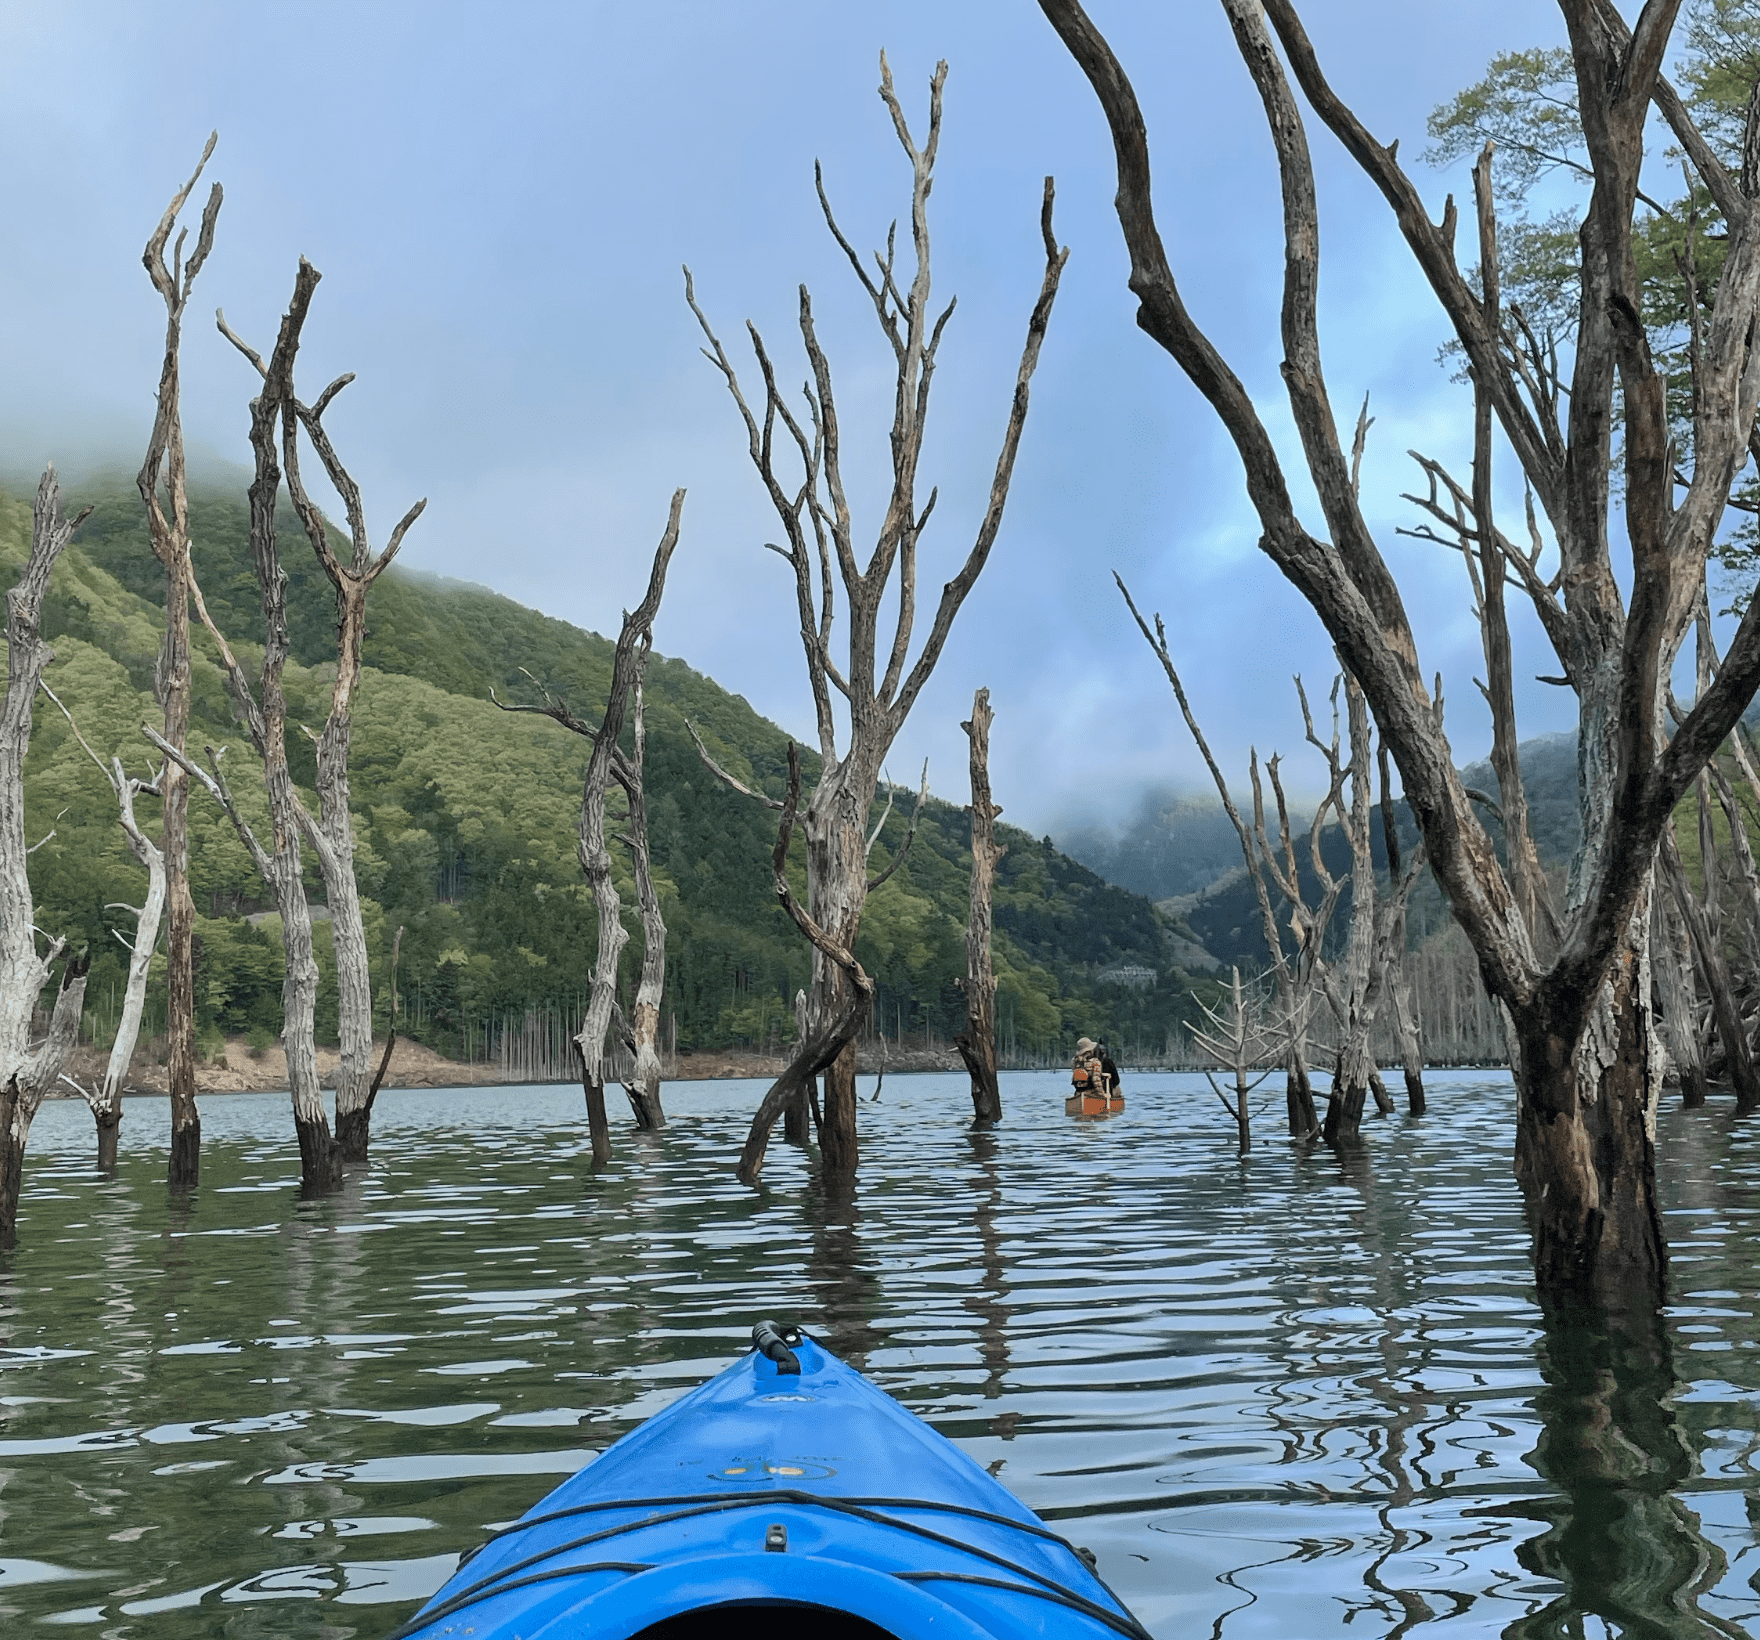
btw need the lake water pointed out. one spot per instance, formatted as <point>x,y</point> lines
<point>1305,1395</point>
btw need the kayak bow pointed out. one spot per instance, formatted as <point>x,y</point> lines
<point>786,1487</point>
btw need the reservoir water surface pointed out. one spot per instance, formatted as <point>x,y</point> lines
<point>1307,1394</point>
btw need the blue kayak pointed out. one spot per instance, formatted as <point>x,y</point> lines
<point>785,1491</point>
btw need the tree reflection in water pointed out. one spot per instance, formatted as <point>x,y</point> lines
<point>1624,1546</point>
<point>842,1276</point>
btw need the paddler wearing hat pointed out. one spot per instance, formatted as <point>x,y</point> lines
<point>1088,1073</point>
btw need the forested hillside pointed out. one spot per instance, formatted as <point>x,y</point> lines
<point>467,816</point>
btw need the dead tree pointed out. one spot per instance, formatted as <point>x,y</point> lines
<point>163,487</point>
<point>1398,979</point>
<point>795,1118</point>
<point>828,1038</point>
<point>27,1070</point>
<point>105,1099</point>
<point>607,762</point>
<point>640,1030</point>
<point>1241,1042</point>
<point>1579,1030</point>
<point>1356,985</point>
<point>1293,971</point>
<point>262,708</point>
<point>977,1046</point>
<point>332,837</point>
<point>878,682</point>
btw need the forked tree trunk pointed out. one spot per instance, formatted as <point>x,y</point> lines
<point>106,1099</point>
<point>27,1086</point>
<point>831,1035</point>
<point>977,1047</point>
<point>628,663</point>
<point>332,837</point>
<point>169,531</point>
<point>264,712</point>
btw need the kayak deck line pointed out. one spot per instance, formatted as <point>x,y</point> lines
<point>711,1503</point>
<point>825,1499</point>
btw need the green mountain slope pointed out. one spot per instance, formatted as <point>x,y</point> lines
<point>467,823</point>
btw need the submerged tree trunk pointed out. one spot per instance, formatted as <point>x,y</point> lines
<point>977,1047</point>
<point>164,466</point>
<point>1585,1155</point>
<point>29,1083</point>
<point>106,1100</point>
<point>642,1086</point>
<point>830,1041</point>
<point>796,1118</point>
<point>26,1072</point>
<point>1298,1095</point>
<point>1676,1006</point>
<point>264,712</point>
<point>332,837</point>
<point>1713,969</point>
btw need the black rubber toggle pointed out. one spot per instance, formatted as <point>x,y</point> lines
<point>775,1538</point>
<point>773,1341</point>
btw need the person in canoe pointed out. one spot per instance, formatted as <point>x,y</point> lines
<point>1089,1073</point>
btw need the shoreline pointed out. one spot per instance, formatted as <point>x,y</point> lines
<point>240,1070</point>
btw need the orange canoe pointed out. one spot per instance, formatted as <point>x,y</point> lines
<point>1093,1104</point>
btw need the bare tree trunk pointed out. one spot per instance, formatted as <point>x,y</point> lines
<point>27,1072</point>
<point>795,1119</point>
<point>832,1037</point>
<point>598,1124</point>
<point>264,712</point>
<point>391,1024</point>
<point>332,838</point>
<point>106,1100</point>
<point>170,538</point>
<point>1298,1094</point>
<point>628,664</point>
<point>1399,987</point>
<point>27,1085</point>
<point>1671,967</point>
<point>977,1047</point>
<point>1713,968</point>
<point>1585,1155</point>
<point>643,1083</point>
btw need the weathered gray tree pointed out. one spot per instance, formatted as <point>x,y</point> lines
<point>163,487</point>
<point>1242,1040</point>
<point>879,682</point>
<point>607,762</point>
<point>28,1069</point>
<point>332,837</point>
<point>1579,1016</point>
<point>262,708</point>
<point>977,1046</point>
<point>105,1098</point>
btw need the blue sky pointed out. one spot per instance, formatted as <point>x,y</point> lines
<point>500,199</point>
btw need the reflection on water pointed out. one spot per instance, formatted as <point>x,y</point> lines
<point>1301,1394</point>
